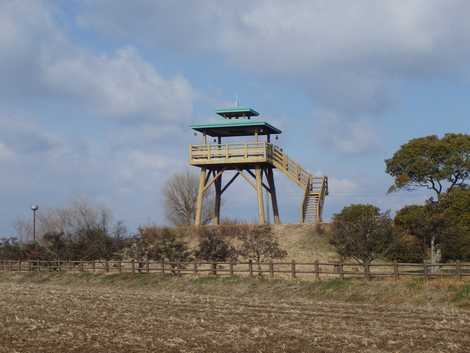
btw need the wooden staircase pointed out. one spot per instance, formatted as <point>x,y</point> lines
<point>315,188</point>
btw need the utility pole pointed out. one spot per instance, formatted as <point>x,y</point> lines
<point>34,208</point>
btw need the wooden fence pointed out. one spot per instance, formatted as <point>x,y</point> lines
<point>315,270</point>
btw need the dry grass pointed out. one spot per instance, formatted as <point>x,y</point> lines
<point>148,313</point>
<point>303,242</point>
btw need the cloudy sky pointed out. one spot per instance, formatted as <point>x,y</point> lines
<point>96,95</point>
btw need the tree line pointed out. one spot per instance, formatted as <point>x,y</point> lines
<point>437,231</point>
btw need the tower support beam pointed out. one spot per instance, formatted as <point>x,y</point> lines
<point>200,197</point>
<point>259,192</point>
<point>272,191</point>
<point>218,197</point>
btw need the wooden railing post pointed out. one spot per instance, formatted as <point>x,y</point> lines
<point>250,267</point>
<point>396,272</point>
<point>231,268</point>
<point>271,269</point>
<point>133,265</point>
<point>341,270</point>
<point>162,268</point>
<point>366,271</point>
<point>147,266</point>
<point>106,266</point>
<point>425,271</point>
<point>214,268</point>
<point>195,268</point>
<point>293,269</point>
<point>458,269</point>
<point>316,270</point>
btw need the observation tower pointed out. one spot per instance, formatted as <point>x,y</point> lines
<point>253,159</point>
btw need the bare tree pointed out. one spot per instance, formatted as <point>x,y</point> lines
<point>80,214</point>
<point>180,192</point>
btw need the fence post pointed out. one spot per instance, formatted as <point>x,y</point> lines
<point>106,266</point>
<point>425,271</point>
<point>214,268</point>
<point>341,270</point>
<point>195,268</point>
<point>231,268</point>
<point>271,269</point>
<point>458,269</point>
<point>162,264</point>
<point>147,265</point>
<point>292,269</point>
<point>250,267</point>
<point>396,272</point>
<point>133,265</point>
<point>30,266</point>
<point>19,266</point>
<point>316,270</point>
<point>366,271</point>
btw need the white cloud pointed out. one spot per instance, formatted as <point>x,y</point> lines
<point>5,152</point>
<point>347,136</point>
<point>42,62</point>
<point>350,57</point>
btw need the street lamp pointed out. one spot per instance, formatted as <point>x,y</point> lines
<point>34,208</point>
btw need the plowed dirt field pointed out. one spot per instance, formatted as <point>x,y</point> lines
<point>47,318</point>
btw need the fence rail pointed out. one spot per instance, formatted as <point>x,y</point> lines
<point>315,270</point>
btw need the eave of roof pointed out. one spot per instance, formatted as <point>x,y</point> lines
<point>237,128</point>
<point>234,112</point>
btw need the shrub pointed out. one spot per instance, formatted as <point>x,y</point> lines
<point>362,232</point>
<point>212,247</point>
<point>258,244</point>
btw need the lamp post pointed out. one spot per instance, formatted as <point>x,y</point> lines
<point>34,208</point>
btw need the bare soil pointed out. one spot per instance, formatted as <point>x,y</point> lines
<point>45,315</point>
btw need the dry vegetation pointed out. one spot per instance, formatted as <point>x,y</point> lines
<point>149,313</point>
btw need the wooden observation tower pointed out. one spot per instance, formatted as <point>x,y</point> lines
<point>254,161</point>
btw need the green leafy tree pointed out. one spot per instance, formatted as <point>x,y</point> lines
<point>454,208</point>
<point>419,230</point>
<point>437,164</point>
<point>362,232</point>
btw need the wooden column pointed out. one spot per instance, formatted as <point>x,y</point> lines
<point>272,187</point>
<point>259,191</point>
<point>218,197</point>
<point>200,196</point>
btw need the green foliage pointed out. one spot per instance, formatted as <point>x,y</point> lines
<point>362,233</point>
<point>432,163</point>
<point>454,209</point>
<point>258,244</point>
<point>447,221</point>
<point>212,247</point>
<point>10,249</point>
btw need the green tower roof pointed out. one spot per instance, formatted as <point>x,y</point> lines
<point>236,112</point>
<point>236,128</point>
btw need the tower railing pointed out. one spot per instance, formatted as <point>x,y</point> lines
<point>242,154</point>
<point>257,152</point>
